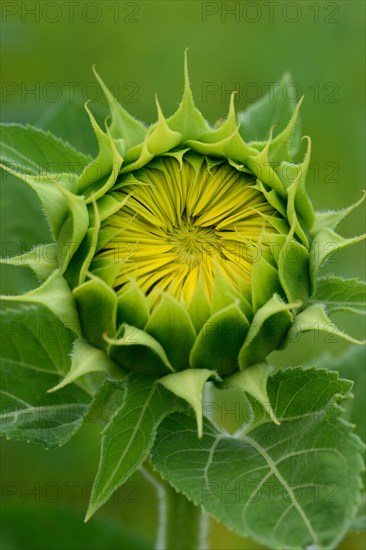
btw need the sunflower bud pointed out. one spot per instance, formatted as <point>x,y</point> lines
<point>195,253</point>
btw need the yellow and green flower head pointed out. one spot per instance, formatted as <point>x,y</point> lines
<point>191,252</point>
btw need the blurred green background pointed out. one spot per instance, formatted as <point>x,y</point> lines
<point>48,49</point>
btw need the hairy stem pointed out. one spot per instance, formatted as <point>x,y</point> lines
<point>181,525</point>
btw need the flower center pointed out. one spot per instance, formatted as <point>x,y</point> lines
<point>180,222</point>
<point>192,243</point>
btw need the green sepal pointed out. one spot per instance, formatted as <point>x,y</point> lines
<point>199,308</point>
<point>273,198</point>
<point>76,271</point>
<point>132,306</point>
<point>265,282</point>
<point>223,131</point>
<point>84,360</point>
<point>272,152</point>
<point>224,294</point>
<point>219,341</point>
<point>260,165</point>
<point>42,260</point>
<point>332,218</point>
<point>253,380</point>
<point>161,138</point>
<point>105,234</point>
<point>171,325</point>
<point>97,306</point>
<point>273,109</point>
<point>225,141</point>
<point>314,318</point>
<point>189,385</point>
<point>55,204</point>
<point>109,205</point>
<point>101,166</point>
<point>269,327</point>
<point>138,351</point>
<point>299,208</point>
<point>73,228</point>
<point>187,120</point>
<point>293,271</point>
<point>55,294</point>
<point>325,243</point>
<point>107,272</point>
<point>66,213</point>
<point>31,151</point>
<point>281,147</point>
<point>124,127</point>
<point>100,189</point>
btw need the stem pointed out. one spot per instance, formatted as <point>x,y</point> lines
<point>182,525</point>
<point>185,526</point>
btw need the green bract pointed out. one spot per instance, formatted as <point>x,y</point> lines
<point>143,272</point>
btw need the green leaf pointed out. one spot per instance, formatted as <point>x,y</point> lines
<point>324,244</point>
<point>314,318</point>
<point>32,151</point>
<point>42,259</point>
<point>26,225</point>
<point>332,218</point>
<point>56,296</point>
<point>129,435</point>
<point>35,353</point>
<point>339,294</point>
<point>358,524</point>
<point>350,364</point>
<point>67,118</point>
<point>288,487</point>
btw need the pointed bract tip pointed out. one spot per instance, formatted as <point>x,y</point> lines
<point>199,427</point>
<point>55,388</point>
<point>271,133</point>
<point>299,103</point>
<point>232,104</point>
<point>88,515</point>
<point>186,73</point>
<point>94,69</point>
<point>158,108</point>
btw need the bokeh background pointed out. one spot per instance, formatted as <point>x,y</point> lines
<point>48,49</point>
